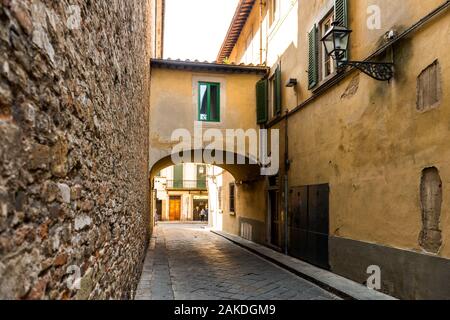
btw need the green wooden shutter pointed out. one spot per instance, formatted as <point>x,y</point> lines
<point>341,15</point>
<point>178,176</point>
<point>313,69</point>
<point>341,12</point>
<point>201,177</point>
<point>261,100</point>
<point>278,90</point>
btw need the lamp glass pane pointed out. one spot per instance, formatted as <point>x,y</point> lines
<point>329,44</point>
<point>341,40</point>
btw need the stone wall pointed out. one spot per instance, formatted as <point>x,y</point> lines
<point>74,193</point>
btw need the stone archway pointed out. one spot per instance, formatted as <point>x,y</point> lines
<point>250,186</point>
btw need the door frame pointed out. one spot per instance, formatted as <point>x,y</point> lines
<point>178,199</point>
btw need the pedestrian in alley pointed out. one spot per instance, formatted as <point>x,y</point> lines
<point>156,218</point>
<point>203,215</point>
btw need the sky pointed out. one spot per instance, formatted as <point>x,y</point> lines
<point>195,29</point>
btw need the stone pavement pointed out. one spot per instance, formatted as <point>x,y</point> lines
<point>187,262</point>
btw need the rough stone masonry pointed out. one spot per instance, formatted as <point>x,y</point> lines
<point>74,110</point>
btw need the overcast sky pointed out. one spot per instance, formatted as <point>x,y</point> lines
<point>195,29</point>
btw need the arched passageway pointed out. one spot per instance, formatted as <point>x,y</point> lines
<point>233,194</point>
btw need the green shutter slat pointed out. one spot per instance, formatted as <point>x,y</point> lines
<point>278,101</point>
<point>341,12</point>
<point>313,65</point>
<point>261,101</point>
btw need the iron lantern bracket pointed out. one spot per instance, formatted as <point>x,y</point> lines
<point>382,71</point>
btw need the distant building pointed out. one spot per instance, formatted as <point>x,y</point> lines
<point>181,192</point>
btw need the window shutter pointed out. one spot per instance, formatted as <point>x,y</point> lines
<point>261,100</point>
<point>341,12</point>
<point>313,69</point>
<point>178,176</point>
<point>278,90</point>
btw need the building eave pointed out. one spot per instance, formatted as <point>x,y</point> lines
<point>240,17</point>
<point>208,67</point>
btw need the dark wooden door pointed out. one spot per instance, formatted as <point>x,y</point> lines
<point>309,224</point>
<point>175,209</point>
<point>159,209</point>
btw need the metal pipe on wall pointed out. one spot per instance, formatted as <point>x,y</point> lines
<point>261,2</point>
<point>286,187</point>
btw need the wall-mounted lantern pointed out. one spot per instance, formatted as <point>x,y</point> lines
<point>336,42</point>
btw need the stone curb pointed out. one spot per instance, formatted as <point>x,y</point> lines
<point>343,287</point>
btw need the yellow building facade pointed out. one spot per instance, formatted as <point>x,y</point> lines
<point>380,148</point>
<point>175,109</point>
<point>364,164</point>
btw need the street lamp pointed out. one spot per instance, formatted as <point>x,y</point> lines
<point>336,41</point>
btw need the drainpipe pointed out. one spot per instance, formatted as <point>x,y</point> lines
<point>260,31</point>
<point>286,180</point>
<point>286,185</point>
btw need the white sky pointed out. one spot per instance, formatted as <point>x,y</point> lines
<point>195,29</point>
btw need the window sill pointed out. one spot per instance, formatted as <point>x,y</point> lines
<point>210,124</point>
<point>209,121</point>
<point>272,120</point>
<point>331,79</point>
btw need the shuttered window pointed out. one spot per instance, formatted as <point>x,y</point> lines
<point>313,68</point>
<point>178,176</point>
<point>261,100</point>
<point>232,198</point>
<point>209,102</point>
<point>341,12</point>
<point>341,15</point>
<point>277,92</point>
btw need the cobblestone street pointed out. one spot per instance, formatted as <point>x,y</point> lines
<point>187,262</point>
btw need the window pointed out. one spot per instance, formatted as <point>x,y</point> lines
<point>261,101</point>
<point>178,176</point>
<point>209,102</point>
<point>232,197</point>
<point>220,194</point>
<point>320,65</point>
<point>273,6</point>
<point>327,66</point>
<point>272,96</point>
<point>201,177</point>
<point>275,93</point>
<point>429,87</point>
<point>248,56</point>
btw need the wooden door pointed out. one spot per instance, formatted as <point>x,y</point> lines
<point>175,209</point>
<point>309,224</point>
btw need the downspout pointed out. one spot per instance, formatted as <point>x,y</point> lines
<point>260,32</point>
<point>286,185</point>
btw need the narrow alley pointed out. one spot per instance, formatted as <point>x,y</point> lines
<point>188,262</point>
<point>224,150</point>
